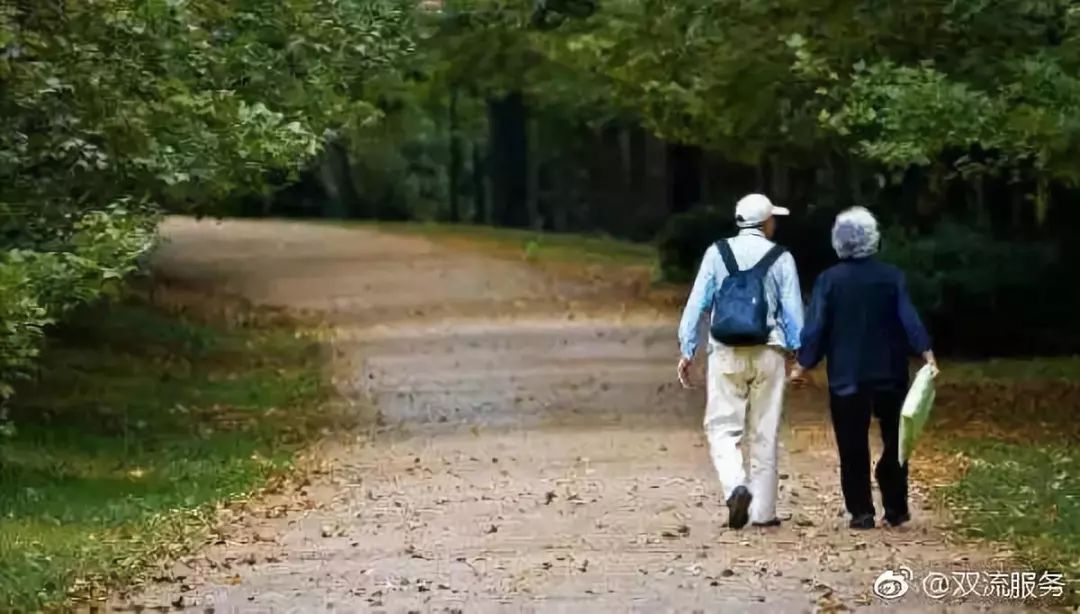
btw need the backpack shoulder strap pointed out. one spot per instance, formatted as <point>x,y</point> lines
<point>729,257</point>
<point>768,259</point>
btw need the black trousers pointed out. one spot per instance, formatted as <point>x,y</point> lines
<point>851,423</point>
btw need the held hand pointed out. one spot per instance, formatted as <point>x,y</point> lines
<point>798,377</point>
<point>683,371</point>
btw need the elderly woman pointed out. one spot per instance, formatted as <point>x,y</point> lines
<point>862,320</point>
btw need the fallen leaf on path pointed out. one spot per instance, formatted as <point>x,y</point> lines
<point>829,603</point>
<point>680,531</point>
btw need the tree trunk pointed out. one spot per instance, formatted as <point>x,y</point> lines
<point>336,180</point>
<point>532,187</point>
<point>489,194</point>
<point>911,192</point>
<point>656,175</point>
<point>1042,200</point>
<point>479,185</point>
<point>846,179</point>
<point>779,180</point>
<point>978,197</point>
<point>564,173</point>
<point>760,182</point>
<point>684,164</point>
<point>509,160</point>
<point>855,183</point>
<point>930,198</point>
<point>564,196</point>
<point>626,158</point>
<point>1017,208</point>
<point>455,158</point>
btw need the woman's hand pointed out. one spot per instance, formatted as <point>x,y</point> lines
<point>928,356</point>
<point>798,376</point>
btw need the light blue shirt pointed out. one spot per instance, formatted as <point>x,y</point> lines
<point>781,290</point>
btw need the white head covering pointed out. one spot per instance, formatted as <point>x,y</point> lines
<point>753,209</point>
<point>855,234</point>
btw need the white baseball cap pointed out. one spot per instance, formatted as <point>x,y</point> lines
<point>753,209</point>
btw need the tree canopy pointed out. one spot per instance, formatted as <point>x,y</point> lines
<point>116,109</point>
<point>589,114</point>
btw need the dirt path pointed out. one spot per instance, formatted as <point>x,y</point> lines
<point>529,452</point>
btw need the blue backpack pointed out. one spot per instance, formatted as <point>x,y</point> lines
<point>741,312</point>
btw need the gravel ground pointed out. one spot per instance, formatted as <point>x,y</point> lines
<point>525,450</point>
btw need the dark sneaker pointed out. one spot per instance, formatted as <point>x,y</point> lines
<point>895,520</point>
<point>863,521</point>
<point>739,507</point>
<point>775,522</point>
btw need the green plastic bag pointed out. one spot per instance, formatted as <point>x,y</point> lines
<point>916,410</point>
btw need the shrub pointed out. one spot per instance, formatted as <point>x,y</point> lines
<point>983,295</point>
<point>39,286</point>
<point>685,238</point>
<point>977,294</point>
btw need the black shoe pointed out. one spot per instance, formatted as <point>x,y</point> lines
<point>775,522</point>
<point>862,521</point>
<point>895,520</point>
<point>739,508</point>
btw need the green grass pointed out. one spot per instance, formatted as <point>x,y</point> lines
<point>1026,495</point>
<point>1014,369</point>
<point>539,246</point>
<point>1015,421</point>
<point>139,423</point>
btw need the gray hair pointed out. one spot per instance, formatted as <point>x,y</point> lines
<point>855,234</point>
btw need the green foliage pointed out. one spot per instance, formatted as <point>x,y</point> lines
<point>399,164</point>
<point>983,294</point>
<point>899,85</point>
<point>685,237</point>
<point>115,109</point>
<point>704,73</point>
<point>910,115</point>
<point>958,260</point>
<point>993,78</point>
<point>179,102</point>
<point>965,89</point>
<point>141,423</point>
<point>37,288</point>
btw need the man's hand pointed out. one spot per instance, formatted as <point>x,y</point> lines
<point>683,371</point>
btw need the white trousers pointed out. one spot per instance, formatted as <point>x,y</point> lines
<point>745,402</point>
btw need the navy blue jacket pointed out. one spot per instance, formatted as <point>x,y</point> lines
<point>862,320</point>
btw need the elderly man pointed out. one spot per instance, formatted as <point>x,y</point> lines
<point>751,288</point>
<point>862,320</point>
